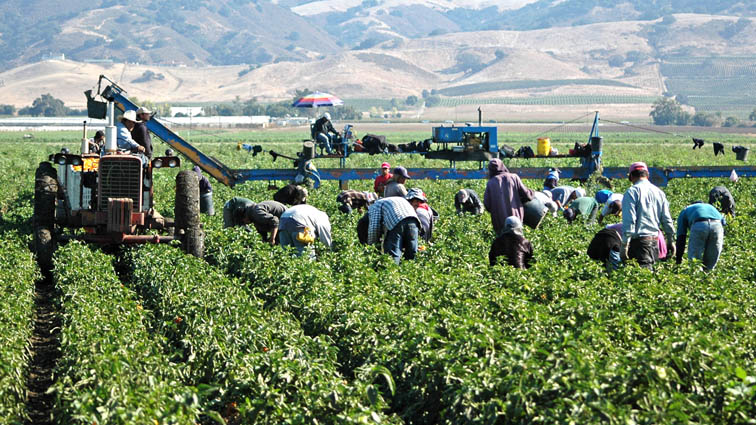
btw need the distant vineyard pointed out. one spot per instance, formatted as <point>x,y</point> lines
<point>548,100</point>
<point>725,84</point>
<point>468,89</point>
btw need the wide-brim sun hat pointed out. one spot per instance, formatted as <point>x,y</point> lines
<point>130,115</point>
<point>415,193</point>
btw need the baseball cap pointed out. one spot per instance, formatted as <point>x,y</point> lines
<point>385,165</point>
<point>638,166</point>
<point>401,171</point>
<point>603,195</point>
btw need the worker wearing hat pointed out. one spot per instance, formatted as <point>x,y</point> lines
<point>383,178</point>
<point>467,201</point>
<point>645,211</point>
<point>395,186</point>
<point>124,141</point>
<point>425,213</point>
<point>612,203</point>
<point>140,133</point>
<point>585,206</point>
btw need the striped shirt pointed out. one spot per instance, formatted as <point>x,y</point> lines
<point>385,214</point>
<point>356,199</point>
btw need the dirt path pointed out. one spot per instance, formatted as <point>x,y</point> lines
<point>45,351</point>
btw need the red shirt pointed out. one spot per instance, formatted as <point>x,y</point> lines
<point>381,181</point>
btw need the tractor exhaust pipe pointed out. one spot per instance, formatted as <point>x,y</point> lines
<point>111,145</point>
<point>84,142</point>
<point>480,117</point>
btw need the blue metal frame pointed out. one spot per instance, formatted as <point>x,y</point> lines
<point>231,177</point>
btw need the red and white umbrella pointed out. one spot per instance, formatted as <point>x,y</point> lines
<point>317,99</point>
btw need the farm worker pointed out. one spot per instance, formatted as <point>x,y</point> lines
<point>300,225</point>
<point>235,212</point>
<point>724,197</point>
<point>383,178</point>
<point>206,193</point>
<point>395,186</point>
<point>425,214</point>
<point>467,201</point>
<point>124,140</point>
<point>265,217</point>
<point>552,179</point>
<point>706,233</point>
<point>585,206</point>
<point>291,194</point>
<point>645,211</point>
<point>505,195</point>
<point>545,198</point>
<point>662,245</point>
<point>612,203</point>
<point>396,221</point>
<point>605,247</point>
<point>512,245</point>
<point>324,131</point>
<point>97,142</point>
<point>140,133</point>
<point>353,199</point>
<point>563,195</point>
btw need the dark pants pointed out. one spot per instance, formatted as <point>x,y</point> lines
<point>403,237</point>
<point>645,251</point>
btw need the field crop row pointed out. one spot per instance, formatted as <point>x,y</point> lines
<point>111,370</point>
<point>549,100</point>
<point>17,276</point>
<point>259,364</point>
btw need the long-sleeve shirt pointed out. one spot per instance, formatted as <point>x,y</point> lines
<point>547,202</point>
<point>517,250</point>
<point>266,214</point>
<point>645,211</point>
<point>586,206</point>
<point>614,197</point>
<point>394,188</point>
<point>425,216</point>
<point>471,205</point>
<point>726,201</point>
<point>562,193</point>
<point>141,135</point>
<point>356,199</point>
<point>694,213</point>
<point>238,208</point>
<point>385,214</point>
<point>504,197</point>
<point>300,216</point>
<point>124,140</point>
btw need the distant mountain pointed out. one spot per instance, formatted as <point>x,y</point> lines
<point>257,32</point>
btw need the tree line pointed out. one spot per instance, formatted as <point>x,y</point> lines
<point>668,111</point>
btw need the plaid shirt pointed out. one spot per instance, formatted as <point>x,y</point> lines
<point>385,214</point>
<point>356,199</point>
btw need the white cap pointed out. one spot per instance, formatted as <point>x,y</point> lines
<point>143,110</point>
<point>327,116</point>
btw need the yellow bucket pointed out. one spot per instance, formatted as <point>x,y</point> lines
<point>544,146</point>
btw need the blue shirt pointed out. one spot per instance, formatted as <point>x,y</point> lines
<point>125,141</point>
<point>694,212</point>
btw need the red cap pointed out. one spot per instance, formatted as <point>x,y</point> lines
<point>638,166</point>
<point>385,165</point>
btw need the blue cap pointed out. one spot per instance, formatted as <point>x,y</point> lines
<point>603,195</point>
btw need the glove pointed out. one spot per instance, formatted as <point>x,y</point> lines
<point>624,250</point>
<point>671,249</point>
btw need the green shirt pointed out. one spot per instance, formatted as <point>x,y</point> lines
<point>585,205</point>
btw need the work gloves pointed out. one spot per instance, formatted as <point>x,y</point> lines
<point>718,148</point>
<point>698,143</point>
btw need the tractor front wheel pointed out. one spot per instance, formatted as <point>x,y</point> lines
<point>45,192</point>
<point>187,225</point>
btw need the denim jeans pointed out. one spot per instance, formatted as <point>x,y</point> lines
<point>402,237</point>
<point>289,238</point>
<point>614,261</point>
<point>706,241</point>
<point>325,141</point>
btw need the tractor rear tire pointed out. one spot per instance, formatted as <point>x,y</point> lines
<point>187,224</point>
<point>45,192</point>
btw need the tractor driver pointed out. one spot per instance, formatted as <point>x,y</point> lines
<point>324,132</point>
<point>123,130</point>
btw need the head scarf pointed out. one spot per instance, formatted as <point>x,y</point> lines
<point>603,195</point>
<point>462,196</point>
<point>513,225</point>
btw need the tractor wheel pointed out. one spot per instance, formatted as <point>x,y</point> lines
<point>45,192</point>
<point>187,225</point>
